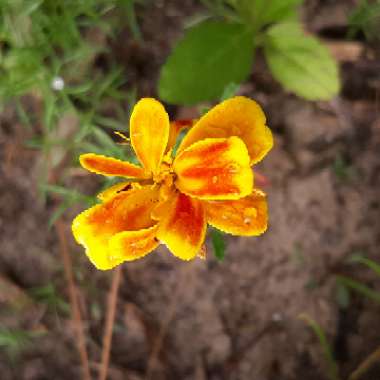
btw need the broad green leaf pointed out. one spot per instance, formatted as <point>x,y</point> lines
<point>218,244</point>
<point>301,63</point>
<point>210,56</point>
<point>229,91</point>
<point>264,12</point>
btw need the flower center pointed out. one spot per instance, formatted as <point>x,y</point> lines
<point>165,173</point>
<point>165,177</point>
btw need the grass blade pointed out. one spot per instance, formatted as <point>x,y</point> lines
<point>358,258</point>
<point>359,287</point>
<point>327,351</point>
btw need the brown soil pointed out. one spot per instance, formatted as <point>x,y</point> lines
<point>233,320</point>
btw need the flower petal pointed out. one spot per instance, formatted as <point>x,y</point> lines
<point>149,130</point>
<point>183,226</point>
<point>247,216</point>
<point>120,187</point>
<point>127,211</point>
<point>110,166</point>
<point>133,245</point>
<point>175,129</point>
<point>238,116</point>
<point>214,169</point>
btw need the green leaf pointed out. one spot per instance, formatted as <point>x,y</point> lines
<point>209,57</point>
<point>14,341</point>
<point>31,6</point>
<point>229,91</point>
<point>48,295</point>
<point>264,12</point>
<point>365,17</point>
<point>278,10</point>
<point>301,63</point>
<point>218,244</point>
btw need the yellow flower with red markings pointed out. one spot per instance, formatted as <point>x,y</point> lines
<point>171,200</point>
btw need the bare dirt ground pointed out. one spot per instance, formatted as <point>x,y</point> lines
<point>233,320</point>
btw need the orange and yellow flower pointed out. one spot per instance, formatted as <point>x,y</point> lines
<point>169,199</point>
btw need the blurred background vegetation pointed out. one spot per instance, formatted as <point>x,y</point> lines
<point>301,302</point>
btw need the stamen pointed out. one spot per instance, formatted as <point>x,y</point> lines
<point>123,136</point>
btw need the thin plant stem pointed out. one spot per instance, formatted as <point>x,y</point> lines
<point>73,297</point>
<point>110,319</point>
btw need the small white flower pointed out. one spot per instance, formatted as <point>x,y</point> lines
<point>57,83</point>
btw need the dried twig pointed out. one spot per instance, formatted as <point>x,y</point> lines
<point>74,304</point>
<point>111,311</point>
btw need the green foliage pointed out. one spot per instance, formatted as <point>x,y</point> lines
<point>229,91</point>
<point>301,63</point>
<point>260,13</point>
<point>359,258</point>
<point>211,55</point>
<point>342,170</point>
<point>351,284</point>
<point>333,373</point>
<point>14,341</point>
<point>129,8</point>
<point>342,295</point>
<point>365,18</point>
<point>48,295</point>
<point>45,42</point>
<point>214,53</point>
<point>68,198</point>
<point>359,288</point>
<point>218,244</point>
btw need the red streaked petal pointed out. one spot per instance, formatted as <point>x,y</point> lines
<point>116,189</point>
<point>133,245</point>
<point>238,116</point>
<point>127,211</point>
<point>149,130</point>
<point>110,166</point>
<point>214,169</point>
<point>246,216</point>
<point>183,226</point>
